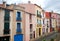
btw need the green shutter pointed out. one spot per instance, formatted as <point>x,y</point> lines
<point>37,12</point>
<point>6,25</point>
<point>7,15</point>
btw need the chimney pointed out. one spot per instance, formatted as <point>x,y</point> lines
<point>29,2</point>
<point>4,3</point>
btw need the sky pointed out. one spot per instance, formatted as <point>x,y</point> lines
<point>47,5</point>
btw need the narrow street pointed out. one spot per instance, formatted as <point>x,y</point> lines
<point>53,36</point>
<point>29,20</point>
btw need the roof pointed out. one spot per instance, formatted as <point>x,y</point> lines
<point>37,6</point>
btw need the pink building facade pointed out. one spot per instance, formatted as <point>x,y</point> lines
<point>30,21</point>
<point>53,20</point>
<point>47,22</point>
<point>58,21</point>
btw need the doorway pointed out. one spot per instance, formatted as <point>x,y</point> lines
<point>6,38</point>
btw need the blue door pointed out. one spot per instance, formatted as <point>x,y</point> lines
<point>18,37</point>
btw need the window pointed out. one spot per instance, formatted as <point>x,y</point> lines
<point>47,24</point>
<point>6,25</point>
<point>40,21</point>
<point>39,31</point>
<point>18,17</point>
<point>7,12</point>
<point>30,17</point>
<point>43,14</point>
<point>19,27</point>
<point>43,21</point>
<point>30,36</point>
<point>18,14</point>
<point>37,21</point>
<point>39,15</point>
<point>47,30</point>
<point>43,30</point>
<point>30,27</point>
<point>6,28</point>
<point>7,15</point>
<point>37,12</point>
<point>34,34</point>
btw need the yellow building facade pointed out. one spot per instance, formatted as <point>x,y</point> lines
<point>39,18</point>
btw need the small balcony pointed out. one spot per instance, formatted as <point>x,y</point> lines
<point>19,31</point>
<point>6,31</point>
<point>6,18</point>
<point>39,25</point>
<point>39,16</point>
<point>31,30</point>
<point>18,19</point>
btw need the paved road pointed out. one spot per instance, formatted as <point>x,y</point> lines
<point>48,37</point>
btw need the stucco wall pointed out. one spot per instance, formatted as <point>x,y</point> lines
<point>27,30</point>
<point>1,21</point>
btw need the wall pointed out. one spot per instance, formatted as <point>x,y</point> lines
<point>29,8</point>
<point>1,22</point>
<point>27,30</point>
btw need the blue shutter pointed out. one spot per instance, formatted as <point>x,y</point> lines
<point>18,17</point>
<point>18,14</point>
<point>18,27</point>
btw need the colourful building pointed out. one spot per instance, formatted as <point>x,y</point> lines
<point>53,20</point>
<point>58,21</point>
<point>47,21</point>
<point>40,29</point>
<point>30,21</point>
<point>12,21</point>
<point>39,21</point>
<point>38,18</point>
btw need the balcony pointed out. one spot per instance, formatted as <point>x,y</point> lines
<point>6,18</point>
<point>18,19</point>
<point>31,30</point>
<point>30,21</point>
<point>39,16</point>
<point>39,25</point>
<point>6,31</point>
<point>19,31</point>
